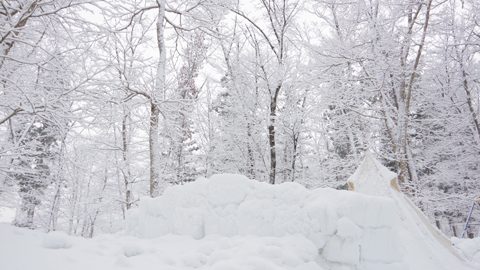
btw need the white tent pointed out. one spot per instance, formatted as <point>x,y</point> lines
<point>419,237</point>
<point>372,178</point>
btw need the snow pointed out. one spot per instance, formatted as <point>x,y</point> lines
<point>230,222</point>
<point>348,229</point>
<point>342,251</point>
<point>56,240</point>
<point>25,249</point>
<point>245,207</point>
<point>470,248</point>
<point>7,214</point>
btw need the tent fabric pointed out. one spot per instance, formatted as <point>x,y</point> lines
<point>372,178</point>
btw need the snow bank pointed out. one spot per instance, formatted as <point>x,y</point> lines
<point>346,228</point>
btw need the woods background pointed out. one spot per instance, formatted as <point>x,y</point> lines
<point>103,102</point>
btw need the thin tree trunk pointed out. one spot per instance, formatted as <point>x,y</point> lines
<point>127,175</point>
<point>250,160</point>
<point>154,144</point>
<point>468,97</point>
<point>405,159</point>
<point>182,136</point>
<point>154,149</point>
<point>271,134</point>
<point>296,137</point>
<point>52,223</point>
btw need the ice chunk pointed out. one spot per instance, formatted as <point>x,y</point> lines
<point>347,229</point>
<point>342,251</point>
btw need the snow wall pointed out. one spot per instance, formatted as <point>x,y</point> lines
<point>350,230</point>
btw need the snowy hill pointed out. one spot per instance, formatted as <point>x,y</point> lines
<point>231,222</point>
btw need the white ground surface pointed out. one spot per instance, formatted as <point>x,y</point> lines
<point>229,222</point>
<point>6,214</point>
<point>22,249</point>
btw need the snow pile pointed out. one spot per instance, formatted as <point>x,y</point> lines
<point>348,229</point>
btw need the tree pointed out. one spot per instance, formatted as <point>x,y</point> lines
<point>36,90</point>
<point>182,140</point>
<point>279,17</point>
<point>157,94</point>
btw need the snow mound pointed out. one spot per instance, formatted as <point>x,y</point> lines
<point>346,228</point>
<point>132,250</point>
<point>56,240</point>
<point>376,227</point>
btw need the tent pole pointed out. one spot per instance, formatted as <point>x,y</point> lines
<point>468,218</point>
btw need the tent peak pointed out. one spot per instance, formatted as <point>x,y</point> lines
<point>372,178</point>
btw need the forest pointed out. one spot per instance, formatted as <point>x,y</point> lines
<point>105,102</point>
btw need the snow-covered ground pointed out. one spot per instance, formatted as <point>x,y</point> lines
<point>7,214</point>
<point>228,222</point>
<point>22,249</point>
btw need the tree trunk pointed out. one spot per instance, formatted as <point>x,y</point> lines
<point>468,96</point>
<point>52,223</point>
<point>127,175</point>
<point>24,214</point>
<point>271,134</point>
<point>250,159</point>
<point>154,149</point>
<point>154,144</point>
<point>178,147</point>
<point>296,137</point>
<point>407,170</point>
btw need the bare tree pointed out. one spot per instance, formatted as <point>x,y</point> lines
<point>279,16</point>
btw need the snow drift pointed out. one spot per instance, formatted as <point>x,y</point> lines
<point>228,222</point>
